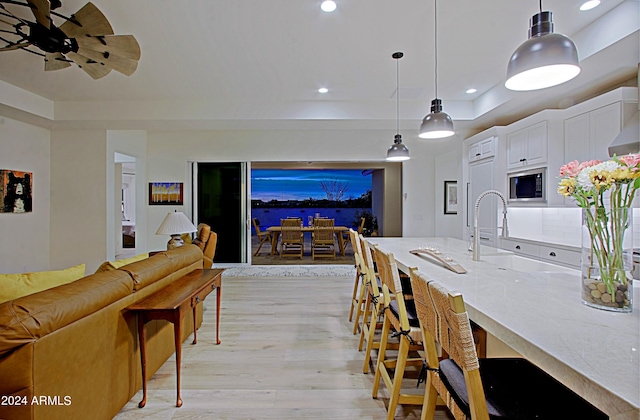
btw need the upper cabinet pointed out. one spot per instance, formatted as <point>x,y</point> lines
<point>587,136</point>
<point>527,147</point>
<point>481,150</point>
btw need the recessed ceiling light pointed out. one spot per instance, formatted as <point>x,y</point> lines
<point>328,6</point>
<point>472,90</point>
<point>323,90</point>
<point>590,4</point>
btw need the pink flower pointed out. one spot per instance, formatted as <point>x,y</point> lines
<point>570,169</point>
<point>631,161</point>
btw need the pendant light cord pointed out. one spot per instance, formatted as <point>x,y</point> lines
<point>397,96</point>
<point>436,41</point>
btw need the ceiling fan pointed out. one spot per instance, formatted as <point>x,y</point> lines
<point>86,38</point>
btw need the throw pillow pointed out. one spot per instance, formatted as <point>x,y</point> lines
<point>13,286</point>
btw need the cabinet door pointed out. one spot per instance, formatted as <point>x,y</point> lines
<point>604,126</point>
<point>486,148</point>
<point>481,180</point>
<point>517,149</point>
<point>576,138</point>
<point>474,152</point>
<point>537,144</point>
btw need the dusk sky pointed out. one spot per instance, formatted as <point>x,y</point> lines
<point>300,184</point>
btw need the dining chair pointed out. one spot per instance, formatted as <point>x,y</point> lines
<point>479,389</point>
<point>263,237</point>
<point>291,238</point>
<point>346,238</point>
<point>323,243</point>
<point>398,314</point>
<point>358,285</point>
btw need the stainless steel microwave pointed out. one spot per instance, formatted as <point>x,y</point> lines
<point>528,186</point>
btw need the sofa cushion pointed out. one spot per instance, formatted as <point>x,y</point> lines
<point>114,265</point>
<point>13,286</point>
<point>160,265</point>
<point>31,317</point>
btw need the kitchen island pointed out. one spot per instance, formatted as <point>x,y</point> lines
<point>536,310</point>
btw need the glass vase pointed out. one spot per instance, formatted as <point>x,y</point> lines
<point>607,258</point>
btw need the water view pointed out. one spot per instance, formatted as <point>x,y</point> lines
<point>343,195</point>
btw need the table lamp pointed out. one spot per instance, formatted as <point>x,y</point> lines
<point>175,224</point>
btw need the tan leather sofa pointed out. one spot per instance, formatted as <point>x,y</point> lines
<point>71,352</point>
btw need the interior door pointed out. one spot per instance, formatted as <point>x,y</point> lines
<point>221,202</point>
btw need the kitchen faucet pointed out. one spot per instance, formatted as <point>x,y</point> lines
<point>476,229</point>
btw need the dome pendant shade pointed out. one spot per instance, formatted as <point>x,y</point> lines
<point>546,59</point>
<point>398,151</point>
<point>437,124</point>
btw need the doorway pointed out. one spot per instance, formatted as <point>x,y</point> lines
<point>221,203</point>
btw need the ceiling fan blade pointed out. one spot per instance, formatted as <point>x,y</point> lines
<point>55,61</point>
<point>15,46</point>
<point>93,69</point>
<point>124,65</point>
<point>121,45</point>
<point>41,10</point>
<point>90,21</point>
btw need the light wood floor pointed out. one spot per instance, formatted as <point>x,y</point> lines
<point>287,352</point>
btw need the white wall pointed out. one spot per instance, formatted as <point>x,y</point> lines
<point>448,167</point>
<point>25,244</point>
<point>78,198</point>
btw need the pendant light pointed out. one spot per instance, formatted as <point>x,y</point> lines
<point>544,60</point>
<point>397,151</point>
<point>437,124</point>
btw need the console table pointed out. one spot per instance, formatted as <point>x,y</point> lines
<point>171,304</point>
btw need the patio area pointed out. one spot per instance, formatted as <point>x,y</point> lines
<point>264,257</point>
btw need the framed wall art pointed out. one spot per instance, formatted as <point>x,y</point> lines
<point>166,193</point>
<point>450,197</point>
<point>15,191</point>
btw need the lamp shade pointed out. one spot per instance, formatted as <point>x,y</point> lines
<point>175,224</point>
<point>437,124</point>
<point>546,59</point>
<point>398,151</point>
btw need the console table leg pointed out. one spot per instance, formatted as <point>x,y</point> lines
<point>195,327</point>
<point>177,331</point>
<point>218,299</point>
<point>143,359</point>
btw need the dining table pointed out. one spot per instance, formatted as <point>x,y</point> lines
<point>338,230</point>
<point>539,314</point>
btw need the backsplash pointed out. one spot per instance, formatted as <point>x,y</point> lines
<point>555,225</point>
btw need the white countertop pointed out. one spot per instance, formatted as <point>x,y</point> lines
<point>540,315</point>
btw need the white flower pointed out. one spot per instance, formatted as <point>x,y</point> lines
<point>584,178</point>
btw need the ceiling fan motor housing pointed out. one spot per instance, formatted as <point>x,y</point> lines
<point>51,40</point>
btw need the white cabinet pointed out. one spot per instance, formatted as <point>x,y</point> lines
<point>556,254</point>
<point>587,136</point>
<point>527,147</point>
<point>481,150</point>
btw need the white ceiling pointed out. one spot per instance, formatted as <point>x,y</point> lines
<point>210,64</point>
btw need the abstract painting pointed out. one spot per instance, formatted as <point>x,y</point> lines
<point>165,193</point>
<point>15,191</point>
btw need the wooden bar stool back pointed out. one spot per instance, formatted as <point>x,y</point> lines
<point>399,316</point>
